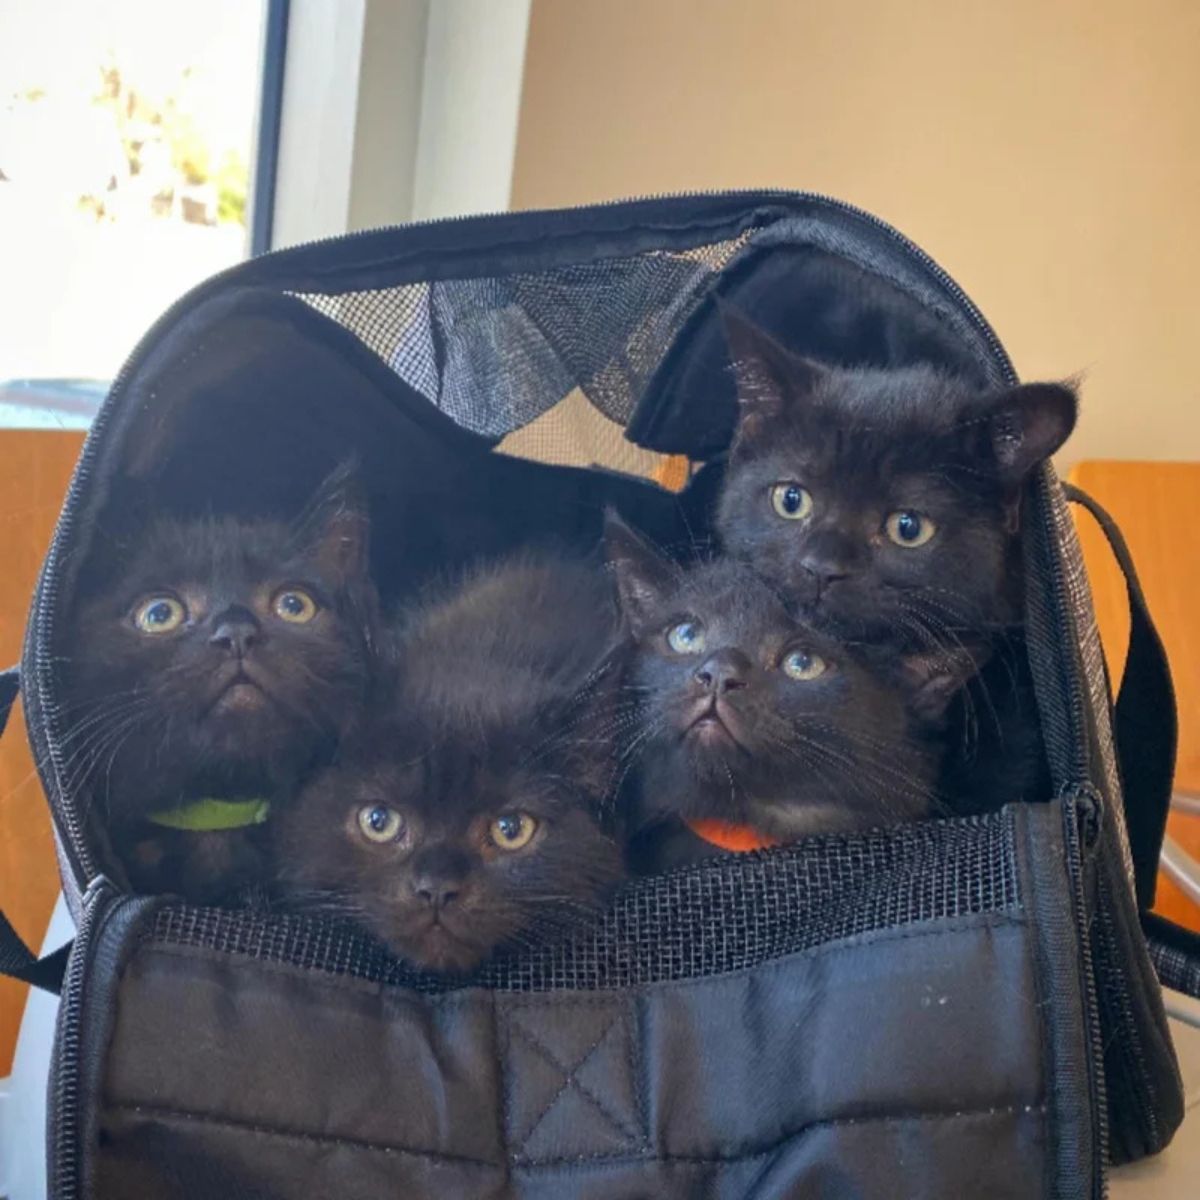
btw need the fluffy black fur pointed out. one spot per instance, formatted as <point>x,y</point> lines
<point>501,702</point>
<point>727,734</point>
<point>234,703</point>
<point>866,444</point>
<point>869,445</point>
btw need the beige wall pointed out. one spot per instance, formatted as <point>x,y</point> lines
<point>1046,152</point>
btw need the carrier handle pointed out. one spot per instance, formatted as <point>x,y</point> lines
<point>1145,724</point>
<point>17,961</point>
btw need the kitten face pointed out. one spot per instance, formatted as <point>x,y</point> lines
<point>442,851</point>
<point>884,504</point>
<point>470,812</point>
<point>224,655</point>
<point>751,716</point>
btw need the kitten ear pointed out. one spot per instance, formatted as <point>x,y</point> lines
<point>768,375</point>
<point>933,678</point>
<point>643,575</point>
<point>1028,424</point>
<point>334,526</point>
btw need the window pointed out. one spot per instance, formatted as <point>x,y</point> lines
<point>127,154</point>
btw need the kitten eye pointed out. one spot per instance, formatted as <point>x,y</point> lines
<point>512,831</point>
<point>909,529</point>
<point>799,664</point>
<point>791,501</point>
<point>686,638</point>
<point>295,606</point>
<point>378,823</point>
<point>159,614</point>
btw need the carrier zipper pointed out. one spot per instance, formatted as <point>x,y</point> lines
<point>76,1076</point>
<point>64,1181</point>
<point>82,861</point>
<point>1127,1046</point>
<point>1083,811</point>
<point>1137,1085</point>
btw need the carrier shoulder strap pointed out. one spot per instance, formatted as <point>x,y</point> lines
<point>1175,953</point>
<point>16,959</point>
<point>1144,718</point>
<point>10,685</point>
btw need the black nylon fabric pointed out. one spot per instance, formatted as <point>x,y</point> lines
<point>909,1060</point>
<point>667,1091</point>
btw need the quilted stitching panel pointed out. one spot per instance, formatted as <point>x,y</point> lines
<point>571,1089</point>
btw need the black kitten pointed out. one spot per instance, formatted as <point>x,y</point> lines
<point>470,810</point>
<point>752,718</point>
<point>885,502</point>
<point>885,505</point>
<point>220,664</point>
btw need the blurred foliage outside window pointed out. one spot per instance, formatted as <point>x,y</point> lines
<point>126,137</point>
<point>169,163</point>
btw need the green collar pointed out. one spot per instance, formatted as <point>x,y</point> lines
<point>211,815</point>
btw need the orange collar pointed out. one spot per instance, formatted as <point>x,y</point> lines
<point>738,838</point>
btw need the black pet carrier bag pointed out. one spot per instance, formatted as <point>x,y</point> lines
<point>956,1008</point>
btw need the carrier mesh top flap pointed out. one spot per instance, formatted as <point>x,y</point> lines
<point>496,351</point>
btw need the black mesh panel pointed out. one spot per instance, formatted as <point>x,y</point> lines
<point>726,914</point>
<point>496,353</point>
<point>393,323</point>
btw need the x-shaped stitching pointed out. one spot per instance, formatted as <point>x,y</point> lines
<point>568,1074</point>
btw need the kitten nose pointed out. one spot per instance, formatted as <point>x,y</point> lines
<point>236,631</point>
<point>725,671</point>
<point>437,893</point>
<point>828,556</point>
<point>824,571</point>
